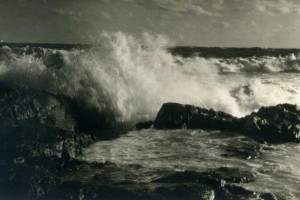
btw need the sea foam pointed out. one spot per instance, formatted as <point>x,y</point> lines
<point>131,77</point>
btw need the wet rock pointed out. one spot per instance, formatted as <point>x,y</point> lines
<point>268,196</point>
<point>26,180</point>
<point>143,125</point>
<point>274,124</point>
<point>278,196</point>
<point>177,116</point>
<point>233,175</point>
<point>233,192</point>
<point>54,59</point>
<point>213,177</point>
<point>187,177</point>
<point>244,149</point>
<point>218,181</point>
<point>40,136</point>
<point>23,104</point>
<point>29,139</point>
<point>191,191</point>
<point>5,53</point>
<point>41,177</point>
<point>79,190</point>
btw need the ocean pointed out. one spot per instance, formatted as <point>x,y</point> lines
<point>129,79</point>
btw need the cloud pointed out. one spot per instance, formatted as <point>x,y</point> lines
<point>185,6</point>
<point>276,7</point>
<point>225,25</point>
<point>105,15</point>
<point>217,4</point>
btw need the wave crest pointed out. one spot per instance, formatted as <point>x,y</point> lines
<point>130,78</point>
<point>290,63</point>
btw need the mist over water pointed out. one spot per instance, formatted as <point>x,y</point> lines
<point>132,77</point>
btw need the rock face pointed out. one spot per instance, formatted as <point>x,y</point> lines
<point>215,184</point>
<point>176,116</point>
<point>143,125</point>
<point>274,124</point>
<point>245,148</point>
<point>38,123</point>
<point>40,134</point>
<point>53,59</point>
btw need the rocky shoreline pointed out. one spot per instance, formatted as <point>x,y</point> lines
<point>274,124</point>
<point>41,136</point>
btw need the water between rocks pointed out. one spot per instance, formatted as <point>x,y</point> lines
<point>145,155</point>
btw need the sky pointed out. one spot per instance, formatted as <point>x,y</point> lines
<point>224,23</point>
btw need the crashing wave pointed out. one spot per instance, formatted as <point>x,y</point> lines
<point>290,63</point>
<point>130,78</point>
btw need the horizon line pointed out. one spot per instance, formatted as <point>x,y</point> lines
<point>48,44</point>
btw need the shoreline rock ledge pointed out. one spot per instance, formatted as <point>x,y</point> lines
<point>273,124</point>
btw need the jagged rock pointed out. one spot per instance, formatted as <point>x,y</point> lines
<point>143,125</point>
<point>176,116</point>
<point>218,181</point>
<point>26,179</point>
<point>244,149</point>
<point>274,124</point>
<point>188,191</point>
<point>213,177</point>
<point>54,59</point>
<point>5,53</point>
<point>24,104</point>
<point>37,123</point>
<point>233,175</point>
<point>36,140</point>
<point>268,196</point>
<point>79,190</point>
<point>40,135</point>
<point>40,177</point>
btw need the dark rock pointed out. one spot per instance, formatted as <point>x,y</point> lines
<point>40,135</point>
<point>24,104</point>
<point>5,53</point>
<point>41,177</point>
<point>217,183</point>
<point>233,175</point>
<point>213,177</point>
<point>37,107</point>
<point>233,192</point>
<point>54,59</point>
<point>187,191</point>
<point>244,149</point>
<point>274,124</point>
<point>188,177</point>
<point>177,116</point>
<point>143,125</point>
<point>26,180</point>
<point>277,196</point>
<point>77,190</point>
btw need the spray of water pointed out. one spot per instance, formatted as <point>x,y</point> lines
<point>131,78</point>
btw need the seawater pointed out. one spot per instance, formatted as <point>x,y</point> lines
<point>129,78</point>
<point>162,152</point>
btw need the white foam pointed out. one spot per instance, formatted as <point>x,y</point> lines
<point>131,78</point>
<point>290,63</point>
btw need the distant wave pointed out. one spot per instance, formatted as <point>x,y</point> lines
<point>226,59</point>
<point>245,59</point>
<point>289,63</point>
